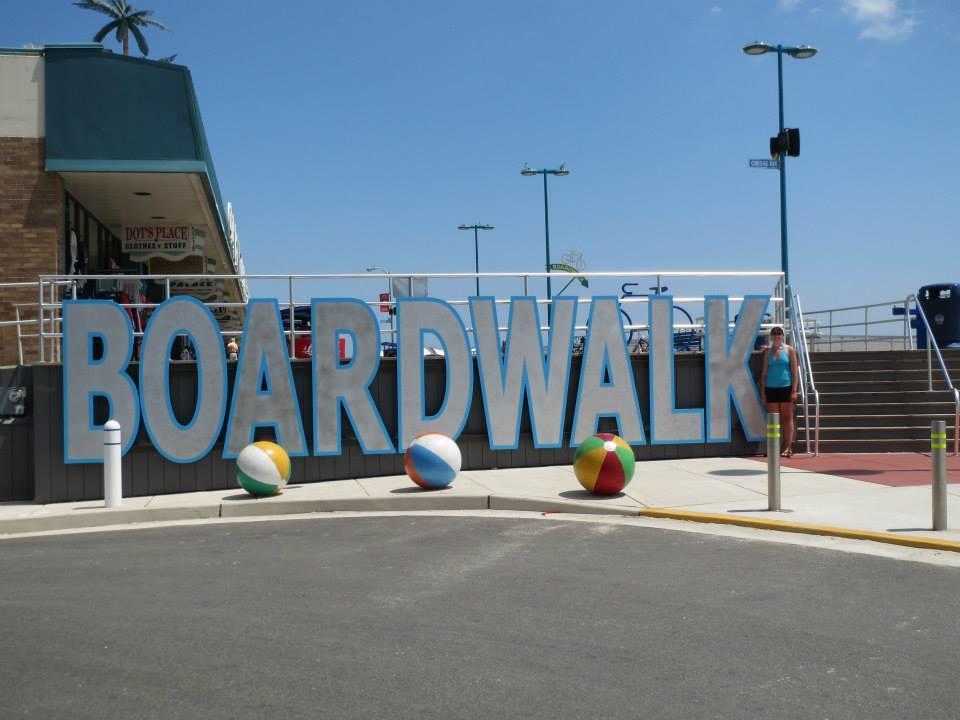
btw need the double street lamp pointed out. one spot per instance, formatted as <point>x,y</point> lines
<point>476,248</point>
<point>559,172</point>
<point>800,52</point>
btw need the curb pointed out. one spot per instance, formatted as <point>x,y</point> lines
<point>118,516</point>
<point>425,501</point>
<point>90,518</point>
<point>547,505</point>
<point>923,543</point>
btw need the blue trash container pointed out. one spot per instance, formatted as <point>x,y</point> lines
<point>941,305</point>
<point>917,324</point>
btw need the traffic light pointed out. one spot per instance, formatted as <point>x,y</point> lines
<point>776,147</point>
<point>786,143</point>
<point>793,142</point>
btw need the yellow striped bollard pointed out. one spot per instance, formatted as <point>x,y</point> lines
<point>773,461</point>
<point>938,457</point>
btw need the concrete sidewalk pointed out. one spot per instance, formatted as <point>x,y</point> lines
<point>725,490</point>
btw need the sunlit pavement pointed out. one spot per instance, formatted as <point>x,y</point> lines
<point>734,487</point>
<point>395,616</point>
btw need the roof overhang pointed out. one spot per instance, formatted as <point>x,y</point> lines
<point>171,198</point>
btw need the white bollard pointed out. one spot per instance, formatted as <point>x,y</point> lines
<point>112,475</point>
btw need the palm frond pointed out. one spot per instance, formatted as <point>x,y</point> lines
<point>125,18</point>
<point>143,18</point>
<point>106,30</point>
<point>99,6</point>
<point>144,21</point>
<point>141,40</point>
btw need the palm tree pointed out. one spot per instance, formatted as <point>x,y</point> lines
<point>126,19</point>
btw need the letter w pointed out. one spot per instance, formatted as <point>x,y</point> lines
<point>523,370</point>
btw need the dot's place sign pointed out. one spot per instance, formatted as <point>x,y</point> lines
<point>525,372</point>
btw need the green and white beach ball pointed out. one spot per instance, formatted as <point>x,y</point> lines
<point>263,468</point>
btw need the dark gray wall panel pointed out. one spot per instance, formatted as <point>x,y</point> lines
<point>146,472</point>
<point>16,440</point>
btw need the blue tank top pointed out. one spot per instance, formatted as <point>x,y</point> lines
<point>778,369</point>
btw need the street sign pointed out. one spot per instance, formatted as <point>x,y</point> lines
<point>384,297</point>
<point>767,164</point>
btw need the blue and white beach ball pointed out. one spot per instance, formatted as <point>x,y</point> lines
<point>432,461</point>
<point>263,468</point>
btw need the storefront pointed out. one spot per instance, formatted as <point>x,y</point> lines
<point>106,171</point>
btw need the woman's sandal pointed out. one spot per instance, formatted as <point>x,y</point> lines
<point>787,454</point>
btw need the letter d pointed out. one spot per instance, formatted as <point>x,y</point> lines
<point>415,318</point>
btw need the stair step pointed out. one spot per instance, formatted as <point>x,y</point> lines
<point>871,386</point>
<point>881,373</point>
<point>892,432</point>
<point>872,446</point>
<point>860,397</point>
<point>869,420</point>
<point>880,354</point>
<point>827,401</point>
<point>920,361</point>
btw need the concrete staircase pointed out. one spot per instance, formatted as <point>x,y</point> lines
<point>878,401</point>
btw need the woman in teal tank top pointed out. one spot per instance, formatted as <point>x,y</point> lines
<point>781,381</point>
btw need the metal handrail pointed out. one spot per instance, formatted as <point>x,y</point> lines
<point>853,307</point>
<point>806,367</point>
<point>67,279</point>
<point>827,329</point>
<point>48,307</point>
<point>933,347</point>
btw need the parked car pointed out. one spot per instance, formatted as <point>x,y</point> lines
<point>303,341</point>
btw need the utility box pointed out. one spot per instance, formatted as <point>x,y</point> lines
<point>941,305</point>
<point>13,401</point>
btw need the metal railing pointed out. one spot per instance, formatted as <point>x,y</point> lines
<point>48,305</point>
<point>861,333</point>
<point>932,348</point>
<point>799,337</point>
<point>19,322</point>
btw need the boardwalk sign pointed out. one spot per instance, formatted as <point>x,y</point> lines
<point>99,342</point>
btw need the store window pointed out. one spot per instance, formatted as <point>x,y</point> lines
<point>92,248</point>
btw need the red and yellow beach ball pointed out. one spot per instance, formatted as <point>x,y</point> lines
<point>604,464</point>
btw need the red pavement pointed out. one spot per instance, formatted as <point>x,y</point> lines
<point>892,469</point>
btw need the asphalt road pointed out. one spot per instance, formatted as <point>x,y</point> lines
<point>460,617</point>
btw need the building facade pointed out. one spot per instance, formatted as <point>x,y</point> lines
<point>105,170</point>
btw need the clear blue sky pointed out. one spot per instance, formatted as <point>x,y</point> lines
<point>363,132</point>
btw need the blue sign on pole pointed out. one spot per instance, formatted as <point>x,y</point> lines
<point>768,164</point>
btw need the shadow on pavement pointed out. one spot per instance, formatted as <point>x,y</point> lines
<point>416,489</point>
<point>741,472</point>
<point>913,529</point>
<point>758,510</point>
<point>584,495</point>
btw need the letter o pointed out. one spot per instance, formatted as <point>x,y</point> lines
<point>172,439</point>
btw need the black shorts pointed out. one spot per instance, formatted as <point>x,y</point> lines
<point>779,395</point>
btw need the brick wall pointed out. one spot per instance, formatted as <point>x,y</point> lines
<point>31,233</point>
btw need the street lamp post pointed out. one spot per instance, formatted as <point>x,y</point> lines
<point>800,52</point>
<point>559,172</point>
<point>476,248</point>
<point>393,308</point>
